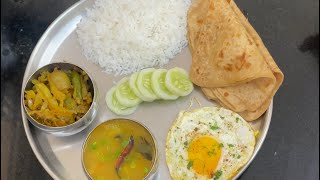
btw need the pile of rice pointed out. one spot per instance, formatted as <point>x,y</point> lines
<point>125,36</point>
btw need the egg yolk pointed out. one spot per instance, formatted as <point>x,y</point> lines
<point>204,154</point>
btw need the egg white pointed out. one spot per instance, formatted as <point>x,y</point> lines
<point>234,133</point>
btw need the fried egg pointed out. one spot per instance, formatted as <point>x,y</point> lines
<point>208,143</point>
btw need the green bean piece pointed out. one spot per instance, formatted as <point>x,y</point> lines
<point>77,85</point>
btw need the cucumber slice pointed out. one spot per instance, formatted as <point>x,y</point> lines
<point>125,95</point>
<point>115,106</point>
<point>134,87</point>
<point>178,82</point>
<point>158,80</point>
<point>144,84</point>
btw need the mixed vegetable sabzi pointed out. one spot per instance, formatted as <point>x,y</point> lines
<point>58,98</point>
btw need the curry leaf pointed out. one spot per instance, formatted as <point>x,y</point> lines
<point>190,164</point>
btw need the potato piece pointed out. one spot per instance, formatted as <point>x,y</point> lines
<point>52,102</point>
<point>56,93</point>
<point>60,79</point>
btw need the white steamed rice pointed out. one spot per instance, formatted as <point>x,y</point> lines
<point>125,36</point>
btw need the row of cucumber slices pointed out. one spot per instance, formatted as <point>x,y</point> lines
<point>147,85</point>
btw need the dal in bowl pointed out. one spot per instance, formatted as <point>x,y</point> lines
<point>120,149</point>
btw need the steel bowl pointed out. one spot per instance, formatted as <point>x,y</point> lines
<point>76,126</point>
<point>153,173</point>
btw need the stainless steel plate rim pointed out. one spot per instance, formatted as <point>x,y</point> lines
<point>48,167</point>
<point>24,118</point>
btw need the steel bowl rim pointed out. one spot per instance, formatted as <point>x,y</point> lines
<point>155,161</point>
<point>43,127</point>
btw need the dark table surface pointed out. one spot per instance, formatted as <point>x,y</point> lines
<point>290,30</point>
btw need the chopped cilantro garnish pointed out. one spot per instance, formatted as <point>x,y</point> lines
<point>221,145</point>
<point>217,174</point>
<point>214,127</point>
<point>238,157</point>
<point>230,145</point>
<point>185,143</point>
<point>237,119</point>
<point>221,117</point>
<point>190,164</point>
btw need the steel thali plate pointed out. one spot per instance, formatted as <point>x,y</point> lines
<point>61,156</point>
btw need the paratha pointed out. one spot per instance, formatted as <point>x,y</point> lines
<point>229,60</point>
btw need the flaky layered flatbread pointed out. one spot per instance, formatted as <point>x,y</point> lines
<point>229,60</point>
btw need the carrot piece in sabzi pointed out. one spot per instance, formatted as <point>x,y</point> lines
<point>123,154</point>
